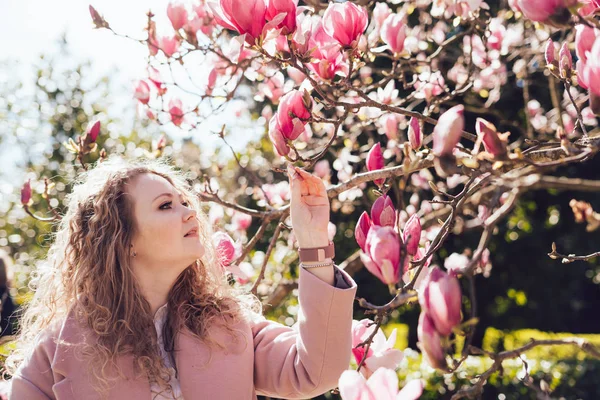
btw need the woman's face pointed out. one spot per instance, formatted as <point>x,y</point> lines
<point>163,221</point>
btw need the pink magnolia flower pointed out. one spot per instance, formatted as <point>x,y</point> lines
<point>415,136</point>
<point>169,44</point>
<point>393,32</point>
<point>362,229</point>
<point>429,85</point>
<point>176,111</point>
<point>498,31</point>
<point>329,61</point>
<point>345,22</point>
<point>26,194</point>
<point>177,14</point>
<point>380,13</point>
<point>412,234</point>
<point>388,94</point>
<point>447,132</point>
<point>441,299</point>
<point>493,142</point>
<point>383,254</point>
<point>302,39</point>
<point>155,77</point>
<point>430,343</point>
<point>142,92</point>
<point>584,41</point>
<point>544,10</point>
<point>381,354</point>
<point>311,39</point>
<point>375,161</point>
<point>589,7</point>
<point>589,76</point>
<point>225,247</point>
<point>271,88</point>
<point>247,17</point>
<point>294,107</point>
<point>383,212</point>
<point>297,76</point>
<point>277,137</point>
<point>287,7</point>
<point>202,19</point>
<point>241,221</point>
<point>322,169</point>
<point>382,385</point>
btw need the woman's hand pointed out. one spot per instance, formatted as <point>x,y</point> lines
<point>309,208</point>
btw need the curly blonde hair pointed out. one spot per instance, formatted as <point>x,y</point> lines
<point>104,297</point>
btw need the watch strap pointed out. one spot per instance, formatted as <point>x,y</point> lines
<point>316,253</point>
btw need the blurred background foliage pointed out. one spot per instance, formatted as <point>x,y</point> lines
<point>526,290</point>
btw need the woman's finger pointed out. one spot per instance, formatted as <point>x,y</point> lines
<point>316,184</point>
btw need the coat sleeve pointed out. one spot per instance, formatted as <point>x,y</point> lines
<point>34,378</point>
<point>306,360</point>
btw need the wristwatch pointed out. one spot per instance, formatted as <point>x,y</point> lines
<point>317,253</point>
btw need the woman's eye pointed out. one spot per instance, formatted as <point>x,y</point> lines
<point>168,205</point>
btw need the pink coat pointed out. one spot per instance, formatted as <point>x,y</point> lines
<point>297,362</point>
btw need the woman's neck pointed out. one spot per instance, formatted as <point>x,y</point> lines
<point>155,287</point>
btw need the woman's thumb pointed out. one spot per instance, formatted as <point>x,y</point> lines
<point>296,190</point>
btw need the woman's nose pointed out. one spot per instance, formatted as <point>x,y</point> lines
<point>189,214</point>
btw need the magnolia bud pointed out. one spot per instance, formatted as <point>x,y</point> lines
<point>441,298</point>
<point>92,131</point>
<point>415,136</point>
<point>362,229</point>
<point>383,212</point>
<point>565,61</point>
<point>375,162</point>
<point>412,234</point>
<point>98,20</point>
<point>26,199</point>
<point>549,53</point>
<point>430,343</point>
<point>448,130</point>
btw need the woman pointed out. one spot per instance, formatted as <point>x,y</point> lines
<point>132,303</point>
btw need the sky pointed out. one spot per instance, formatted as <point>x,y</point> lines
<point>31,27</point>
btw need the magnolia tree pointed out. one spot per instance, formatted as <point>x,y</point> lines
<point>409,90</point>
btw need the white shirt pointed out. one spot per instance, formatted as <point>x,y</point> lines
<point>158,392</point>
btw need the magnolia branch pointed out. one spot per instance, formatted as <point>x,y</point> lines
<point>566,259</point>
<point>498,358</point>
